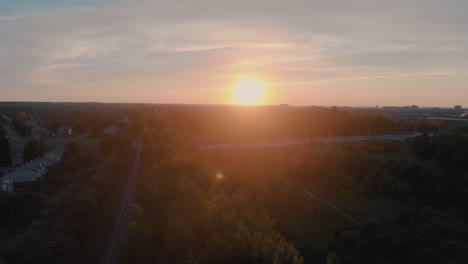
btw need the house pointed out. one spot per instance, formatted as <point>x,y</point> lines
<point>111,130</point>
<point>27,175</point>
<point>6,185</point>
<point>124,119</point>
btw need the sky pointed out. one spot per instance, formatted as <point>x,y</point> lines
<point>304,52</point>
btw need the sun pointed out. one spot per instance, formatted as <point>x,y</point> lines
<point>249,91</point>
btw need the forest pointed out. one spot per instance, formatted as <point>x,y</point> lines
<point>257,205</point>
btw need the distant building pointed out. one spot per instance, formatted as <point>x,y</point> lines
<point>124,119</point>
<point>458,107</point>
<point>65,131</point>
<point>450,122</point>
<point>414,107</point>
<point>111,130</point>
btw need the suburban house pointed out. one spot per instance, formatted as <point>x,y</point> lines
<point>26,175</point>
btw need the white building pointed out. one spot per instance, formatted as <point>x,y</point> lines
<point>110,130</point>
<point>30,172</point>
<point>6,185</point>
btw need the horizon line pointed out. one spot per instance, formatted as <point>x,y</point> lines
<point>236,105</point>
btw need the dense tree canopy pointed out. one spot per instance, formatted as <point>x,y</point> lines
<point>34,149</point>
<point>5,158</point>
<point>249,205</point>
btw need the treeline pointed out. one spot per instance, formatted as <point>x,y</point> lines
<point>211,125</point>
<point>452,147</point>
<point>444,181</point>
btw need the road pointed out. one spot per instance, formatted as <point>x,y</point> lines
<point>365,138</point>
<point>121,222</point>
<point>303,142</point>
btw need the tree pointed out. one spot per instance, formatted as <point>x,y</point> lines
<point>2,130</point>
<point>22,116</point>
<point>5,158</point>
<point>118,144</point>
<point>138,247</point>
<point>178,239</point>
<point>242,232</point>
<point>422,146</point>
<point>72,147</point>
<point>137,121</point>
<point>21,127</point>
<point>247,246</point>
<point>34,149</point>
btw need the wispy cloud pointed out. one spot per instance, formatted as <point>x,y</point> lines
<point>9,18</point>
<point>302,48</point>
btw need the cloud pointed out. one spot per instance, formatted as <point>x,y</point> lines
<point>9,18</point>
<point>304,47</point>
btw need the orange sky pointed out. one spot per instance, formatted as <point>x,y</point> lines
<point>303,52</point>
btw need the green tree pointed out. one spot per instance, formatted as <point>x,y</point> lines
<point>72,147</point>
<point>2,130</point>
<point>34,149</point>
<point>21,127</point>
<point>247,246</point>
<point>178,239</point>
<point>22,116</point>
<point>139,245</point>
<point>242,232</point>
<point>422,146</point>
<point>5,158</point>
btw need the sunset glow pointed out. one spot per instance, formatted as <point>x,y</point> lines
<point>249,92</point>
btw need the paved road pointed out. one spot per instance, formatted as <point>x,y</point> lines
<point>303,142</point>
<point>121,221</point>
<point>365,138</point>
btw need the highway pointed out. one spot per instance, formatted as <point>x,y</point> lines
<point>306,141</point>
<point>365,138</point>
<point>121,221</point>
